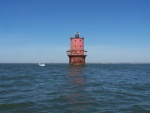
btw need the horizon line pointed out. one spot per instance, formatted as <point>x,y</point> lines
<point>68,63</point>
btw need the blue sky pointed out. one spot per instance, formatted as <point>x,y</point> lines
<point>115,31</point>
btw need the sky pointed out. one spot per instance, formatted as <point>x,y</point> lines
<point>114,31</point>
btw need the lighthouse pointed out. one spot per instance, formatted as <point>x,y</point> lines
<point>76,54</point>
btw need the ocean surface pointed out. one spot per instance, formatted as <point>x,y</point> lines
<point>60,88</point>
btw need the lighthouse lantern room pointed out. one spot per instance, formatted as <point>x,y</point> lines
<point>76,53</point>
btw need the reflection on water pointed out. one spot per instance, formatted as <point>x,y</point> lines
<point>77,97</point>
<point>76,75</point>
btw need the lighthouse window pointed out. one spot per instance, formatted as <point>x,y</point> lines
<point>80,40</point>
<point>75,40</point>
<point>75,46</point>
<point>80,46</point>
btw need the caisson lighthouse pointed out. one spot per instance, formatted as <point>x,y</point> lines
<point>76,54</point>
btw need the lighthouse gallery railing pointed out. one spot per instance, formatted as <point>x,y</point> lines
<point>76,52</point>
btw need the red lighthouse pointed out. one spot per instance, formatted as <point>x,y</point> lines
<point>76,53</point>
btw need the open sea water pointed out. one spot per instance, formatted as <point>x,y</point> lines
<point>60,88</point>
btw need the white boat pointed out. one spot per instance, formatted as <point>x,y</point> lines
<point>41,64</point>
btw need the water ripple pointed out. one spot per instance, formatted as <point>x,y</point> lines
<point>94,88</point>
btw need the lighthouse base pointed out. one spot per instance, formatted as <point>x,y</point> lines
<point>77,59</point>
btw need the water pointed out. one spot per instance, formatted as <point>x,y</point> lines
<point>60,88</point>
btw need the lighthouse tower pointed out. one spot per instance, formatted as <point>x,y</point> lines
<point>76,53</point>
